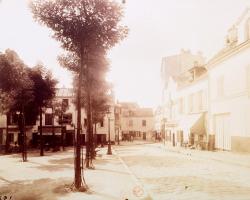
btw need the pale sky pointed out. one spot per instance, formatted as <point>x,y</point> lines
<point>158,28</point>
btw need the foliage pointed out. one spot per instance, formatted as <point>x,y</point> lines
<point>14,82</point>
<point>79,24</point>
<point>22,88</point>
<point>43,85</point>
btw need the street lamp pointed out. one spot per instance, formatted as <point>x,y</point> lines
<point>109,152</point>
<point>164,130</point>
<point>23,134</point>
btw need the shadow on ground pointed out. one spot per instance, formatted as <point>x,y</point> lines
<point>41,189</point>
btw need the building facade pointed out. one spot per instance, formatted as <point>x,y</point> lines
<point>208,105</point>
<point>184,104</point>
<point>229,89</point>
<point>136,123</point>
<point>58,121</point>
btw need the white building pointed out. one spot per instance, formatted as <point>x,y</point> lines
<point>184,99</point>
<point>219,99</point>
<point>229,89</point>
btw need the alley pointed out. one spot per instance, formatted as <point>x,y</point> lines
<point>172,175</point>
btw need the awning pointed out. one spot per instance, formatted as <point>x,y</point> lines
<point>171,123</point>
<point>193,123</point>
<point>48,130</point>
<point>49,133</point>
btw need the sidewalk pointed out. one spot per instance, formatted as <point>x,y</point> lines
<point>241,159</point>
<point>49,178</point>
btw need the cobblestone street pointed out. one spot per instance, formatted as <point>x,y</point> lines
<point>172,175</point>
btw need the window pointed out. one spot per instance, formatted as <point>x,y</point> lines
<point>248,77</point>
<point>102,124</point>
<point>12,119</point>
<point>65,103</point>
<point>10,137</point>
<point>144,123</point>
<point>1,136</point>
<point>199,101</point>
<point>247,29</point>
<point>181,105</point>
<point>131,113</point>
<point>85,122</point>
<point>220,86</point>
<point>190,102</point>
<point>130,123</point>
<point>48,119</point>
<point>66,118</point>
<point>117,116</point>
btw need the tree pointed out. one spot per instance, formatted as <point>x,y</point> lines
<point>24,90</point>
<point>44,92</point>
<point>100,106</point>
<point>98,90</point>
<point>87,28</point>
<point>13,73</point>
<point>59,109</point>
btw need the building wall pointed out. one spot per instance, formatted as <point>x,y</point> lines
<point>229,94</point>
<point>108,125</point>
<point>182,104</point>
<point>62,93</point>
<point>132,117</point>
<point>137,124</point>
<point>178,64</point>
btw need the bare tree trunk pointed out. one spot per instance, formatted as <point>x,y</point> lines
<point>78,172</point>
<point>53,131</point>
<point>94,144</point>
<point>62,137</point>
<point>7,143</point>
<point>89,143</point>
<point>41,133</point>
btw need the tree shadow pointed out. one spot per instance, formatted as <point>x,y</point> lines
<point>41,189</point>
<point>51,167</point>
<point>62,161</point>
<point>112,171</point>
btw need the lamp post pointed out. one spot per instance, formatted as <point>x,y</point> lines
<point>23,134</point>
<point>109,152</point>
<point>164,130</point>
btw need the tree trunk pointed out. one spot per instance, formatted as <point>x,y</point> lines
<point>93,154</point>
<point>89,143</point>
<point>95,142</point>
<point>62,137</point>
<point>7,143</point>
<point>78,172</point>
<point>41,133</point>
<point>53,131</point>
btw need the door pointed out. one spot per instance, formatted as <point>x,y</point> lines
<point>222,132</point>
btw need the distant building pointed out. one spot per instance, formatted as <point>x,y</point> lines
<point>184,99</point>
<point>136,123</point>
<point>173,66</point>
<point>63,124</point>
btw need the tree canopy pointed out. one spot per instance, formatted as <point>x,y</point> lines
<point>23,88</point>
<point>79,24</point>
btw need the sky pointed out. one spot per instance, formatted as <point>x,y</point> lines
<point>157,28</point>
